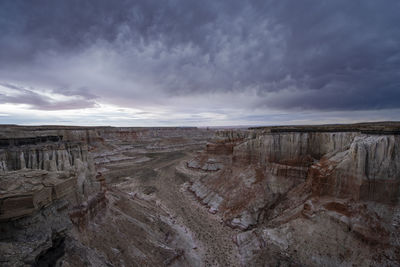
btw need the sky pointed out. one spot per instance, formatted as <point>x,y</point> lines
<point>199,63</point>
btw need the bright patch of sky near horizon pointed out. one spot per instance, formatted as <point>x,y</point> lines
<point>186,63</point>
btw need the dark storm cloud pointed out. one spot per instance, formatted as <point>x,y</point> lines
<point>310,55</point>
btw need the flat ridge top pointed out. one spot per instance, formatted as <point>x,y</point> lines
<point>385,127</point>
<point>72,127</point>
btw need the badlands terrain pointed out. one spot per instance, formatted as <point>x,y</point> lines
<point>269,196</point>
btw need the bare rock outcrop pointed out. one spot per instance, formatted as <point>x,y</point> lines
<point>292,196</point>
<point>41,180</point>
<point>299,194</point>
<point>54,198</point>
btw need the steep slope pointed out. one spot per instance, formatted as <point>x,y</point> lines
<point>56,207</point>
<point>40,183</point>
<point>310,198</point>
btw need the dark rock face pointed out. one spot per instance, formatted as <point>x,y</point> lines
<point>35,239</point>
<point>50,256</point>
<point>11,142</point>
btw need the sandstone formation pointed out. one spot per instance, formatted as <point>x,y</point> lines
<point>323,197</point>
<point>269,196</point>
<point>54,195</point>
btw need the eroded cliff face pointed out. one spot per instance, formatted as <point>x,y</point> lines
<point>42,179</point>
<point>104,196</point>
<point>308,198</point>
<point>59,205</point>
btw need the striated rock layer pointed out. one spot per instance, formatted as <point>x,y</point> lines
<point>320,198</point>
<point>41,179</point>
<point>55,202</point>
<point>271,196</point>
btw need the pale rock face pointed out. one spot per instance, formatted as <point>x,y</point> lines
<point>86,186</point>
<point>39,185</point>
<point>368,170</point>
<point>80,170</point>
<point>210,165</point>
<point>22,160</point>
<point>244,220</point>
<point>51,157</point>
<point>304,181</point>
<point>59,170</point>
<point>211,199</point>
<point>3,166</point>
<point>280,147</point>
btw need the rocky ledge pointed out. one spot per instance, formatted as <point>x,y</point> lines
<point>309,195</point>
<point>42,179</point>
<point>54,198</point>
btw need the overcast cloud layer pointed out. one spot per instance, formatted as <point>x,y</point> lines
<point>190,62</point>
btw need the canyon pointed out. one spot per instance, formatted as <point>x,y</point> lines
<point>325,195</point>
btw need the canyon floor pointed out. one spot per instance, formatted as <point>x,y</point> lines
<point>152,189</point>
